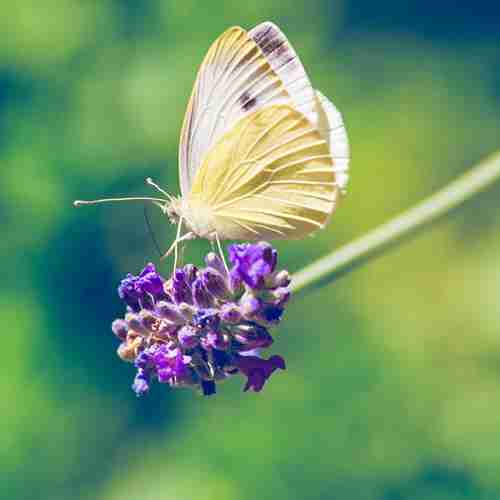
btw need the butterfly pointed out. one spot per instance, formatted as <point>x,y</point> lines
<point>262,155</point>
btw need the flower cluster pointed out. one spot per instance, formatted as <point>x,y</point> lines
<point>203,325</point>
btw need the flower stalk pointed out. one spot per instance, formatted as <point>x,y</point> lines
<point>378,241</point>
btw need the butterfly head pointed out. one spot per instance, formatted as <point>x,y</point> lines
<point>173,210</point>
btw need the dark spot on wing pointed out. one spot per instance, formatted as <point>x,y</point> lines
<point>276,46</point>
<point>262,33</point>
<point>246,101</point>
<point>286,61</point>
<point>271,42</point>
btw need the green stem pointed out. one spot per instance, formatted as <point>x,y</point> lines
<point>352,255</point>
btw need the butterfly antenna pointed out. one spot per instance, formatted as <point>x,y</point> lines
<point>151,232</point>
<point>158,188</point>
<point>79,203</point>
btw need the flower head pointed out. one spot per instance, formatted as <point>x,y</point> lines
<point>204,325</point>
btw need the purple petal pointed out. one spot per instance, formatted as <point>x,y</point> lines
<point>253,262</point>
<point>214,282</point>
<point>207,318</point>
<point>258,370</point>
<point>188,337</point>
<point>201,297</point>
<point>141,383</point>
<point>181,290</point>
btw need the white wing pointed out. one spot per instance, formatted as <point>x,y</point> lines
<point>285,62</point>
<point>331,127</point>
<point>243,73</point>
<point>234,79</point>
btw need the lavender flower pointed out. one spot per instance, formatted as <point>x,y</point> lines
<point>204,325</point>
<point>139,291</point>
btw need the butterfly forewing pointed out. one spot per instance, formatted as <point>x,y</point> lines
<point>270,176</point>
<point>235,79</point>
<point>285,62</point>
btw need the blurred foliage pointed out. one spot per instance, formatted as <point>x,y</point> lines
<point>393,386</point>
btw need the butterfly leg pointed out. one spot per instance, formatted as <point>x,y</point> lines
<point>187,236</point>
<point>221,253</point>
<point>176,243</point>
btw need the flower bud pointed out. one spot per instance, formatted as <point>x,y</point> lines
<point>207,319</point>
<point>214,282</point>
<point>230,313</point>
<point>215,340</point>
<point>147,302</point>
<point>120,328</point>
<point>128,350</point>
<point>215,262</point>
<point>170,312</point>
<point>141,383</point>
<point>250,306</point>
<point>191,273</point>
<point>271,314</point>
<point>148,321</point>
<point>188,337</point>
<point>187,311</point>
<point>202,298</point>
<point>166,330</point>
<point>252,336</point>
<point>281,296</point>
<point>279,279</point>
<point>134,322</point>
<point>181,291</point>
<point>150,281</point>
<point>253,263</point>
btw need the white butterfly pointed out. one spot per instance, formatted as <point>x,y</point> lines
<point>262,154</point>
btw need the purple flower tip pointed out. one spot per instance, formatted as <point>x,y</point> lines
<point>252,262</point>
<point>188,337</point>
<point>150,281</point>
<point>207,318</point>
<point>181,289</point>
<point>141,383</point>
<point>208,387</point>
<point>258,370</point>
<point>134,289</point>
<point>272,313</point>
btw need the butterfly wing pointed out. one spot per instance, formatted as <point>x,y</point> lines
<point>234,80</point>
<point>271,176</point>
<point>286,64</point>
<point>331,127</point>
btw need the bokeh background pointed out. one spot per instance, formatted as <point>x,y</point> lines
<point>393,384</point>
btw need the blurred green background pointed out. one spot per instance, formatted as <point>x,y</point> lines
<point>393,384</point>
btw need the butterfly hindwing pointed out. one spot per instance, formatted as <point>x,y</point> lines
<point>331,127</point>
<point>270,176</point>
